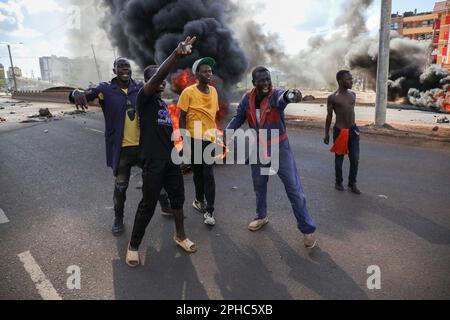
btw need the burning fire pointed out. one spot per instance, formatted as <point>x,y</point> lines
<point>181,80</point>
<point>175,116</point>
<point>442,99</point>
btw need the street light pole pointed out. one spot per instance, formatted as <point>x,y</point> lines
<point>383,63</point>
<point>12,68</point>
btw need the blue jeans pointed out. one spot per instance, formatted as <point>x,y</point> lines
<point>353,147</point>
<point>288,174</point>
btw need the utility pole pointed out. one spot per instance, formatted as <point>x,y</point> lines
<point>383,63</point>
<point>12,68</point>
<point>96,65</point>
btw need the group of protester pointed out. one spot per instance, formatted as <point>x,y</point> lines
<point>139,129</point>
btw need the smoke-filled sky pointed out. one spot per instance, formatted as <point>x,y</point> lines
<point>42,26</point>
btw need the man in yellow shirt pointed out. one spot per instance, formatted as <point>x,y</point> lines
<point>199,104</point>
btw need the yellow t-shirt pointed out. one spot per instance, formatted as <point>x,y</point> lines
<point>201,107</point>
<point>131,129</point>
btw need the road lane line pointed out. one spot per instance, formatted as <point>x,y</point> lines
<point>43,285</point>
<point>183,291</point>
<point>95,130</point>
<point>3,217</point>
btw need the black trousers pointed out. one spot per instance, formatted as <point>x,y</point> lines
<point>205,185</point>
<point>353,147</point>
<point>129,157</point>
<point>156,174</point>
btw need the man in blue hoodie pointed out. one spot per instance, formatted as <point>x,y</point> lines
<point>118,102</point>
<point>263,108</point>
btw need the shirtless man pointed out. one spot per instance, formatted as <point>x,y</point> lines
<point>345,131</point>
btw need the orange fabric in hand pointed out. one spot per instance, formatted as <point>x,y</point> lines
<point>340,146</point>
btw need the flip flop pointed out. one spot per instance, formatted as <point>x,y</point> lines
<point>132,258</point>
<point>186,244</point>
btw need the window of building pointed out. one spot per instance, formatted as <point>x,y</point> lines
<point>394,26</point>
<point>425,23</point>
<point>408,25</point>
<point>447,19</point>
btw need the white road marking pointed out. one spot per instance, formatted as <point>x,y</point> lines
<point>95,130</point>
<point>3,217</point>
<point>183,292</point>
<point>43,285</point>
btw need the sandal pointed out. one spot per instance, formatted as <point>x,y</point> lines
<point>186,244</point>
<point>132,258</point>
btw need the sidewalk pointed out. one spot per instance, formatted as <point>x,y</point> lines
<point>400,122</point>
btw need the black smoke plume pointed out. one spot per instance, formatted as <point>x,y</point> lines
<point>147,31</point>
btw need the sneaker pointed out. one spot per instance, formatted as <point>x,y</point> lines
<point>118,227</point>
<point>309,241</point>
<point>209,219</point>
<point>257,224</point>
<point>354,188</point>
<point>339,186</point>
<point>199,206</point>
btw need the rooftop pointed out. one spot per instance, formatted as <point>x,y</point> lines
<point>441,6</point>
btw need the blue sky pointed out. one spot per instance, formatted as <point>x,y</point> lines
<point>41,25</point>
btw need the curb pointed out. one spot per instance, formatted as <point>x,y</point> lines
<point>386,131</point>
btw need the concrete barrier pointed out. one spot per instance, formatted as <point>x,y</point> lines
<point>57,96</point>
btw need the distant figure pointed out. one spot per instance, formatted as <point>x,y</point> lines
<point>118,101</point>
<point>345,131</point>
<point>263,108</point>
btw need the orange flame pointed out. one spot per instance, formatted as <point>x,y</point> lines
<point>175,116</point>
<point>219,141</point>
<point>181,80</point>
<point>442,99</point>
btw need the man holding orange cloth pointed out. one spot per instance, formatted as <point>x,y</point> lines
<point>345,131</point>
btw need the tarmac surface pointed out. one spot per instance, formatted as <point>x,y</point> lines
<point>56,212</point>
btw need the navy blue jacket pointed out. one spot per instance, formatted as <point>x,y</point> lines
<point>114,107</point>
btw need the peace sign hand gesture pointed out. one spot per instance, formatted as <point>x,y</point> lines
<point>185,47</point>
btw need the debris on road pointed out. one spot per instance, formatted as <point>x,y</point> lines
<point>308,98</point>
<point>44,112</point>
<point>2,119</point>
<point>435,128</point>
<point>71,113</point>
<point>382,196</point>
<point>442,119</point>
<point>45,131</point>
<point>234,188</point>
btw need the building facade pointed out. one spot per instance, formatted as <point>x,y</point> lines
<point>74,72</point>
<point>440,54</point>
<point>54,69</point>
<point>17,73</point>
<point>2,77</point>
<point>433,26</point>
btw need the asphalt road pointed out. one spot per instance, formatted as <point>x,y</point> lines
<point>56,207</point>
